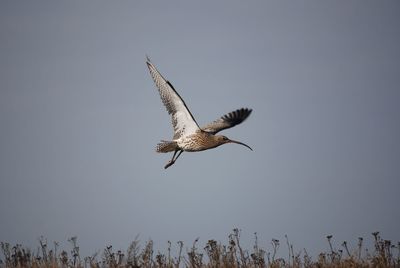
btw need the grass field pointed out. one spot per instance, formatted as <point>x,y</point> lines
<point>212,254</point>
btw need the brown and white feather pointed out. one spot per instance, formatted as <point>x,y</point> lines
<point>227,121</point>
<point>182,119</point>
<point>199,141</point>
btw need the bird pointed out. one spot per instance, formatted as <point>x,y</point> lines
<point>188,136</point>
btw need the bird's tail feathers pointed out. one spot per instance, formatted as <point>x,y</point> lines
<point>166,146</point>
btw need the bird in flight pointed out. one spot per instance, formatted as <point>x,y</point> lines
<point>188,136</point>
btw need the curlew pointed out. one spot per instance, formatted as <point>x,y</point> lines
<point>188,136</point>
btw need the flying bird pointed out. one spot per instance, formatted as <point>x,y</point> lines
<point>188,136</point>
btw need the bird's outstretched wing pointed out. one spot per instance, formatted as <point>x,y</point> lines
<point>227,121</point>
<point>182,119</point>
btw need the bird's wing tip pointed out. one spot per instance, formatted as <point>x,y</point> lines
<point>247,111</point>
<point>148,59</point>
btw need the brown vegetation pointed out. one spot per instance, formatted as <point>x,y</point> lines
<point>214,254</point>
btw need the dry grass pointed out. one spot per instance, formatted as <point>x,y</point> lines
<point>214,254</point>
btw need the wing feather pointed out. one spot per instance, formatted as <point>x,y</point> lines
<point>227,121</point>
<point>182,119</point>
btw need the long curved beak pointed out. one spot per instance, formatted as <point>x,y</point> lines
<point>241,143</point>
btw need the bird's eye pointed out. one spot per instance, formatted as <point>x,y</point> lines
<point>225,138</point>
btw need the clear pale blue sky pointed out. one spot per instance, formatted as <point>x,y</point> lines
<point>80,118</point>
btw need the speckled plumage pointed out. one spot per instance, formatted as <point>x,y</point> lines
<point>188,136</point>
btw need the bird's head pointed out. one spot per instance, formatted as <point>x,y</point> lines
<point>223,139</point>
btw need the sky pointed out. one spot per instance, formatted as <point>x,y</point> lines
<point>80,118</point>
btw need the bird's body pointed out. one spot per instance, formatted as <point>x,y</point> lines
<point>188,136</point>
<point>199,141</point>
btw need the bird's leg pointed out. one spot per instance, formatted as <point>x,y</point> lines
<point>180,152</point>
<point>172,161</point>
